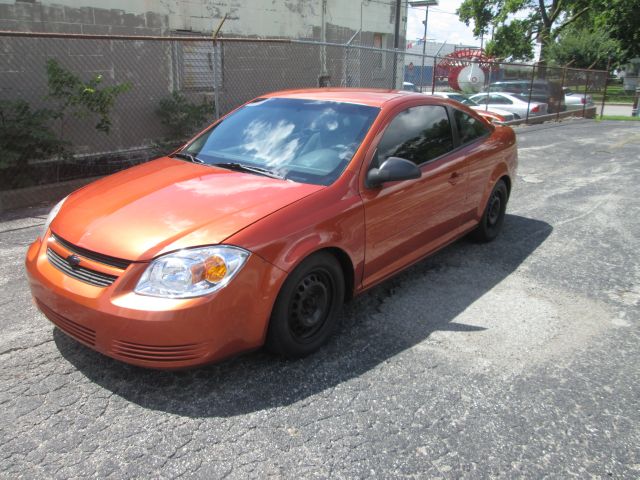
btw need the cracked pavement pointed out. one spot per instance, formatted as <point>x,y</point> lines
<point>516,358</point>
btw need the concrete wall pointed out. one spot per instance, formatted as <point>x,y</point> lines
<point>259,18</point>
<point>154,69</point>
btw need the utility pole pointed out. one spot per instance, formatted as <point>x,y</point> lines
<point>424,3</point>
<point>396,42</point>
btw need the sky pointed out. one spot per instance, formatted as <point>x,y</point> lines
<point>443,25</point>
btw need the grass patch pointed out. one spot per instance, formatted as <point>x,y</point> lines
<point>620,117</point>
<point>615,94</point>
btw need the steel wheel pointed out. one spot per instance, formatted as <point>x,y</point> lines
<point>310,304</point>
<point>306,310</point>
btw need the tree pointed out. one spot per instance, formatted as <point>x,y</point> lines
<point>513,36</point>
<point>515,24</point>
<point>584,48</point>
<point>621,19</point>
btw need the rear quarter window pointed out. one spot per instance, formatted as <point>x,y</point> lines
<point>469,128</point>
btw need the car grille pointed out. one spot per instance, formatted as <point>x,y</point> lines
<point>83,274</point>
<point>79,332</point>
<point>155,353</point>
<point>96,257</point>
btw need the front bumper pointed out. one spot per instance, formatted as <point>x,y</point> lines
<point>149,331</point>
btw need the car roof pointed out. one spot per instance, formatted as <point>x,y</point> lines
<point>365,96</point>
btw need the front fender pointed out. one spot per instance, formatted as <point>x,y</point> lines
<point>330,218</point>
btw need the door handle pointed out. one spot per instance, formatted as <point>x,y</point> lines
<point>454,178</point>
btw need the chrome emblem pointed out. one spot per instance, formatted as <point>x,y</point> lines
<point>74,260</point>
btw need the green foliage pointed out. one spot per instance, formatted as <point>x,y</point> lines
<point>620,117</point>
<point>26,134</point>
<point>182,117</point>
<point>512,40</point>
<point>585,48</point>
<point>615,20</point>
<point>515,24</point>
<point>478,12</point>
<point>621,20</point>
<point>82,98</point>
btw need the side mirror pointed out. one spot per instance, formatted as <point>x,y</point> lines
<point>393,169</point>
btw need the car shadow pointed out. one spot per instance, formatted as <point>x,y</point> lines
<point>377,325</point>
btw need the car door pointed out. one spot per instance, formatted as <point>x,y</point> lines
<point>405,220</point>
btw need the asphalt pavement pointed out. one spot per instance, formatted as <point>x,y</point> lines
<point>519,358</point>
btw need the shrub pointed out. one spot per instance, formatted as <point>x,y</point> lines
<point>26,134</point>
<point>81,98</point>
<point>182,117</point>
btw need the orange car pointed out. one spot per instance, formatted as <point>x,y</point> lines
<point>260,227</point>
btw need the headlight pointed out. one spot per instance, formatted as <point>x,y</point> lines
<point>192,272</point>
<point>52,214</point>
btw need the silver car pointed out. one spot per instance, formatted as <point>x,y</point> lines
<point>577,100</point>
<point>465,100</point>
<point>510,102</point>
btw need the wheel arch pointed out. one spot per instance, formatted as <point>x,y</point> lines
<point>500,172</point>
<point>344,259</point>
<point>347,266</point>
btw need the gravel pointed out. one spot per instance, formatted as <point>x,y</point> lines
<point>516,358</point>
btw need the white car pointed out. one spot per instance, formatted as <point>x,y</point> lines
<point>576,100</point>
<point>465,100</point>
<point>410,87</point>
<point>515,104</point>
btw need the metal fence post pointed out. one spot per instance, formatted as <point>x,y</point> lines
<point>216,82</point>
<point>586,87</point>
<point>606,84</point>
<point>488,88</point>
<point>433,75</point>
<point>564,74</point>
<point>533,76</point>
<point>635,109</point>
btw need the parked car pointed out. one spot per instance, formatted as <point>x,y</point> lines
<point>409,87</point>
<point>577,100</point>
<point>512,103</point>
<point>260,227</point>
<point>495,114</point>
<point>542,91</point>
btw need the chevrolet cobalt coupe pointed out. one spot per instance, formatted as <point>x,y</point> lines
<point>258,229</point>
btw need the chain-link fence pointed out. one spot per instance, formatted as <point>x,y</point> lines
<point>78,106</point>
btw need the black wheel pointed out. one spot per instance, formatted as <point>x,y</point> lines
<point>516,116</point>
<point>493,216</point>
<point>306,310</point>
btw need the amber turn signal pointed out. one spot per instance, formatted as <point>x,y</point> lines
<point>215,269</point>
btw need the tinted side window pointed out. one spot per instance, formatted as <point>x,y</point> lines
<point>418,134</point>
<point>469,128</point>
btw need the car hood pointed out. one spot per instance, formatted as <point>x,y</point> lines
<point>168,204</point>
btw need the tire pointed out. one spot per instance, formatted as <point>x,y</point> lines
<point>306,310</point>
<point>493,215</point>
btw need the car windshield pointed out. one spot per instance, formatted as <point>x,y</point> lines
<point>462,99</point>
<point>306,141</point>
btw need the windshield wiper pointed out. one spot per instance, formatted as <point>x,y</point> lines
<point>242,167</point>
<point>187,156</point>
